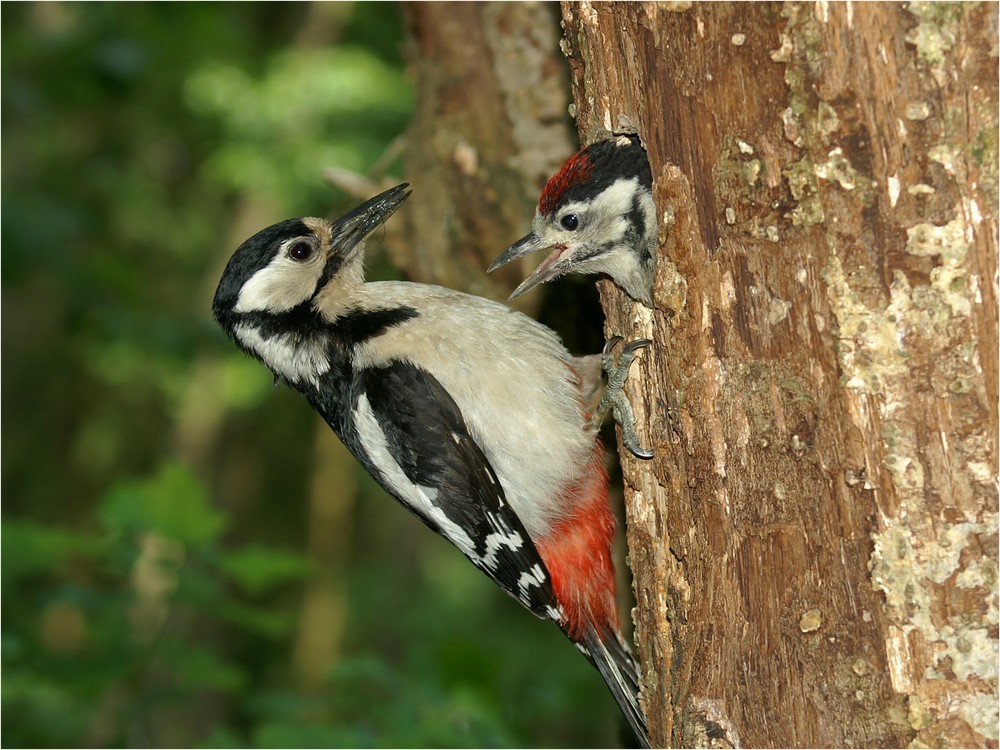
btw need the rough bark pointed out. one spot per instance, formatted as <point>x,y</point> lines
<point>815,544</point>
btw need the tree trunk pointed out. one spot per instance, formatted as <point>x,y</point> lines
<point>815,544</point>
<point>490,127</point>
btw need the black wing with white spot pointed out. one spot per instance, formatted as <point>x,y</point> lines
<point>419,448</point>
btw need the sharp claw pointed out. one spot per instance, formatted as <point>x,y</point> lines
<point>614,399</point>
<point>634,346</point>
<point>637,451</point>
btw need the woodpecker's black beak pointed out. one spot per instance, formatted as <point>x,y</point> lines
<point>555,265</point>
<point>351,229</point>
<point>527,244</point>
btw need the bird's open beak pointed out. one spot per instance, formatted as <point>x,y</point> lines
<point>351,229</point>
<point>556,264</point>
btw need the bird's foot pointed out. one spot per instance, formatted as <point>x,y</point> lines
<point>614,399</point>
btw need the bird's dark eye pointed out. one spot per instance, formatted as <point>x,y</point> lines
<point>570,221</point>
<point>300,251</point>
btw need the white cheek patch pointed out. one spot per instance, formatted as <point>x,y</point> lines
<point>614,204</point>
<point>421,499</point>
<point>278,287</point>
<point>295,362</point>
<point>604,217</point>
<point>618,198</point>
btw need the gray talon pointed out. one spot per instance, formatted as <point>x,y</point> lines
<point>611,344</point>
<point>614,399</point>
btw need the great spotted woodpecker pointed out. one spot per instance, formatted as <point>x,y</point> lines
<point>596,215</point>
<point>470,414</point>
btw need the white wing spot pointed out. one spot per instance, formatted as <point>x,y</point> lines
<point>504,537</point>
<point>535,576</point>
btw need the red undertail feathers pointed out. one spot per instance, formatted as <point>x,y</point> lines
<point>577,553</point>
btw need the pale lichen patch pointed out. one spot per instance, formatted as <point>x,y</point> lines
<point>778,310</point>
<point>827,121</point>
<point>916,715</point>
<point>981,471</point>
<point>904,566</point>
<point>810,621</point>
<point>792,126</point>
<point>971,651</point>
<point>980,711</point>
<point>785,50</point>
<point>946,155</point>
<point>870,341</point>
<point>917,111</point>
<point>916,557</point>
<point>671,287</point>
<point>950,244</point>
<point>900,567</point>
<point>906,469</point>
<point>837,168</point>
<point>803,186</point>
<point>934,36</point>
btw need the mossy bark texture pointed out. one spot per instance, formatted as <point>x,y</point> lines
<point>815,543</point>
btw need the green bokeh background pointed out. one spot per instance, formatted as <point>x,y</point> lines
<point>156,524</point>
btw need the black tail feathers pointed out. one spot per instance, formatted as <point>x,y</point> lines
<point>617,666</point>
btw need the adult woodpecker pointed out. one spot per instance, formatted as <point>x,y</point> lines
<point>596,215</point>
<point>467,412</point>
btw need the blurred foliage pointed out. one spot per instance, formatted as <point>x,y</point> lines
<point>158,542</point>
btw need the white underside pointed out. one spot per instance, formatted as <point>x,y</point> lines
<point>295,361</point>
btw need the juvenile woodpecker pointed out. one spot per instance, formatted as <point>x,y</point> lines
<point>596,215</point>
<point>467,412</point>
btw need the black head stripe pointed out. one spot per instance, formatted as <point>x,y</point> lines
<point>301,321</point>
<point>636,216</point>
<point>637,229</point>
<point>347,332</point>
<point>357,327</point>
<point>333,264</point>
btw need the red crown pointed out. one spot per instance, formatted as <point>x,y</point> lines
<point>576,169</point>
